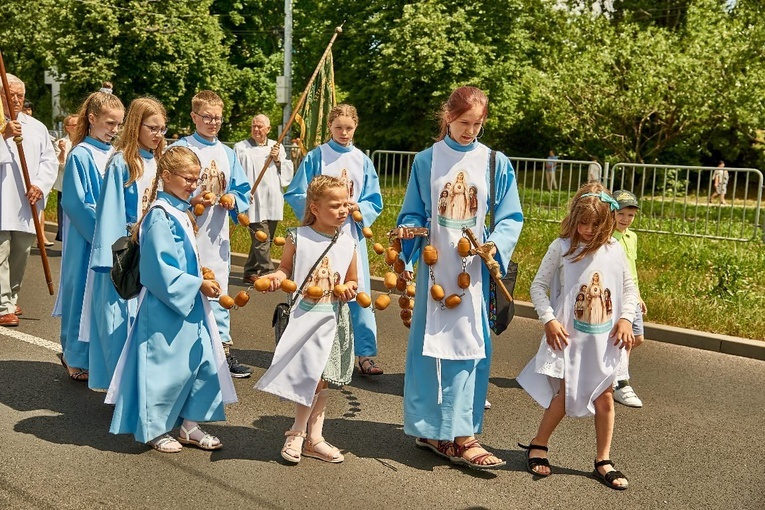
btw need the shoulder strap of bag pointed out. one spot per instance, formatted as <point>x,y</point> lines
<point>315,264</point>
<point>492,188</point>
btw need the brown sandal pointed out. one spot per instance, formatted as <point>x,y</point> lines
<point>474,462</point>
<point>445,449</point>
<point>367,366</point>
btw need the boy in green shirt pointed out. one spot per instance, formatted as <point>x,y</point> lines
<point>625,215</point>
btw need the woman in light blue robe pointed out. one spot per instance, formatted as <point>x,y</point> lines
<point>446,404</point>
<point>370,205</point>
<point>168,372</point>
<point>110,315</point>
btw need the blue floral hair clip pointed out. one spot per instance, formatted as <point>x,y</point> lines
<point>604,197</point>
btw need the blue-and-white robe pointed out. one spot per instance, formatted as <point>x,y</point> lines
<point>110,316</point>
<point>462,384</point>
<point>172,366</point>
<point>222,173</point>
<point>83,177</point>
<point>332,155</point>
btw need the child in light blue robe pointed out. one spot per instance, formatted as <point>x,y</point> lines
<point>449,351</point>
<point>169,372</point>
<point>83,178</point>
<point>119,207</point>
<point>370,204</point>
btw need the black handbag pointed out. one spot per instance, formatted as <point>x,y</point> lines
<point>501,311</point>
<point>282,311</point>
<point>126,259</point>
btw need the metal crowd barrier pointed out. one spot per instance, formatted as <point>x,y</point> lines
<point>675,199</point>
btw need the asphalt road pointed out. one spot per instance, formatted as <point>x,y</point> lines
<point>697,443</point>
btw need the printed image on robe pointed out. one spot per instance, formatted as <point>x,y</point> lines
<point>458,203</point>
<point>324,278</point>
<point>213,180</point>
<point>146,196</point>
<point>593,308</point>
<point>348,183</point>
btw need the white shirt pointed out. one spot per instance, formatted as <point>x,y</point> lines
<point>42,164</point>
<point>268,202</point>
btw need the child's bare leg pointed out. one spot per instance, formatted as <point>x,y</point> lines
<point>550,420</point>
<point>604,431</point>
<point>316,446</point>
<point>293,445</point>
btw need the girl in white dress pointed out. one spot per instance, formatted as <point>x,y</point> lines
<point>581,356</point>
<point>316,348</point>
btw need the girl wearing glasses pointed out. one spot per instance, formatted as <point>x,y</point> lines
<point>98,122</point>
<point>172,371</point>
<point>130,175</point>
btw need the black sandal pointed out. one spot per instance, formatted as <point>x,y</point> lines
<point>609,477</point>
<point>532,462</point>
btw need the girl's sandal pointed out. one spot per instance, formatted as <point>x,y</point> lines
<point>610,477</point>
<point>166,444</point>
<point>332,456</point>
<point>445,449</point>
<point>533,462</point>
<point>290,450</point>
<point>476,461</point>
<point>206,442</point>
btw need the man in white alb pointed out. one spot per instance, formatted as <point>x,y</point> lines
<point>17,231</point>
<point>267,205</point>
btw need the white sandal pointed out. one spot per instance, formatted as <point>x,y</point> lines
<point>207,442</point>
<point>290,446</point>
<point>166,444</point>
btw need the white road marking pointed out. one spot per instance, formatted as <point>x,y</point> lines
<point>30,339</point>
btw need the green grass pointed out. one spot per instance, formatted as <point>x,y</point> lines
<point>702,284</point>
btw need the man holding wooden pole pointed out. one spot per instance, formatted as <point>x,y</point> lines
<point>17,229</point>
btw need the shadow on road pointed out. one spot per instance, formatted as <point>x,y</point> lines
<point>81,417</point>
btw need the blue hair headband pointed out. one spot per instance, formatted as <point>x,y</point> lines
<point>604,197</point>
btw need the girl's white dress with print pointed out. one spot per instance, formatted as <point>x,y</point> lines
<point>591,362</point>
<point>304,348</point>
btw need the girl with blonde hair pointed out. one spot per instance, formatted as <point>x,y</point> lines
<point>98,122</point>
<point>172,370</point>
<point>125,195</point>
<point>317,347</point>
<point>340,158</point>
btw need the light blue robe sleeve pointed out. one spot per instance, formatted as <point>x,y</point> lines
<point>111,214</point>
<point>508,216</point>
<point>77,195</point>
<point>238,186</point>
<point>163,273</point>
<point>309,168</point>
<point>416,210</point>
<point>370,201</point>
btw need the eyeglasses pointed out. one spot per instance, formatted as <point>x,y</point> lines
<point>189,180</point>
<point>209,119</point>
<point>155,130</point>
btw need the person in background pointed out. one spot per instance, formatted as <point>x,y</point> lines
<point>593,171</point>
<point>267,202</point>
<point>550,167</point>
<point>63,146</point>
